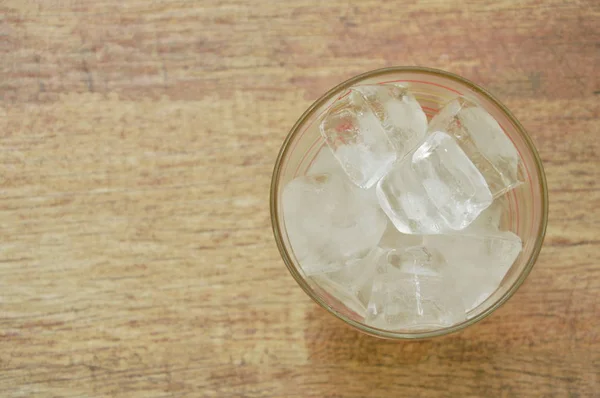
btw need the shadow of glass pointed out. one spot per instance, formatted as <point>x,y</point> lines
<point>329,340</point>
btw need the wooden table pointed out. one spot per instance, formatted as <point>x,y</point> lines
<point>137,141</point>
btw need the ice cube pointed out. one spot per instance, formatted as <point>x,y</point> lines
<point>351,285</point>
<point>393,239</point>
<point>478,259</point>
<point>491,218</point>
<point>329,222</point>
<point>357,139</point>
<point>400,114</point>
<point>413,293</point>
<point>325,162</point>
<point>483,140</point>
<point>436,189</point>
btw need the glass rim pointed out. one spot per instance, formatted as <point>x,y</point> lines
<point>287,259</point>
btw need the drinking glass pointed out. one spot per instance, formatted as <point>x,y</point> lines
<point>526,214</point>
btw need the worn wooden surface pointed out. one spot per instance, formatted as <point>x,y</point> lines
<point>137,140</point>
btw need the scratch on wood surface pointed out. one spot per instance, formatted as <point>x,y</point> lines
<point>88,76</point>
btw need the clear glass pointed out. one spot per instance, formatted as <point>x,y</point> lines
<point>528,204</point>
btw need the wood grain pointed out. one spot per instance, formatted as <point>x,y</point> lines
<point>137,140</point>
